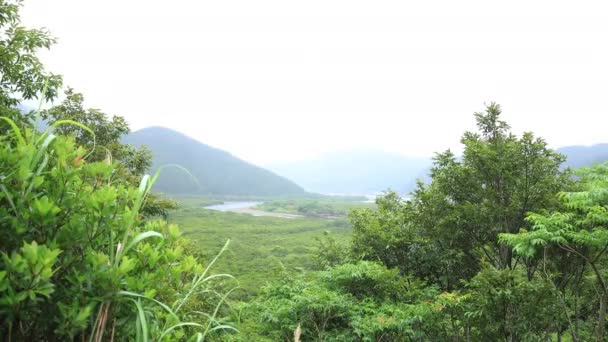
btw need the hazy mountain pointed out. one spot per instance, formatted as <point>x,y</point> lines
<point>584,155</point>
<point>217,171</point>
<point>355,172</point>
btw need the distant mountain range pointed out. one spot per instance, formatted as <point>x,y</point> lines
<point>369,172</point>
<point>584,155</point>
<point>359,172</point>
<point>218,172</point>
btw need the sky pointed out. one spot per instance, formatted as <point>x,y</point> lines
<point>287,80</point>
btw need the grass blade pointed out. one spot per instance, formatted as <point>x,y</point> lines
<point>224,327</point>
<point>75,123</point>
<point>140,237</point>
<point>217,308</point>
<point>16,129</point>
<point>170,329</point>
<point>200,280</point>
<point>157,173</point>
<point>141,318</point>
<point>163,305</point>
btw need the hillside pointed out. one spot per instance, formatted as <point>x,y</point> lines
<point>218,172</point>
<point>355,172</point>
<point>584,155</point>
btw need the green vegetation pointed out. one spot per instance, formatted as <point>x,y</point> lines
<point>328,208</point>
<point>79,261</point>
<point>82,255</point>
<point>261,247</point>
<point>217,171</point>
<point>502,244</point>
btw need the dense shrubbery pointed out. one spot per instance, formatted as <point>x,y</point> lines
<point>363,301</point>
<point>78,259</point>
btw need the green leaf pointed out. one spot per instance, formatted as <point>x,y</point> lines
<point>141,318</point>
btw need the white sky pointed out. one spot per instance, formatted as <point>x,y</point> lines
<point>283,80</point>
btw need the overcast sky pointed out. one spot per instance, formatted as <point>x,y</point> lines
<point>284,80</point>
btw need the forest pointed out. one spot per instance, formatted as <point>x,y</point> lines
<point>501,243</point>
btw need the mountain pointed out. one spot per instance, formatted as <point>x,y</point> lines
<point>584,155</point>
<point>359,172</point>
<point>218,172</point>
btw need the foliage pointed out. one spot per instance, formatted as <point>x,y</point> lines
<point>22,75</point>
<point>131,163</point>
<point>329,253</point>
<point>505,305</point>
<point>262,246</point>
<point>353,302</point>
<point>79,261</point>
<point>579,231</point>
<point>500,179</point>
<point>382,234</point>
<point>502,244</point>
<point>451,224</point>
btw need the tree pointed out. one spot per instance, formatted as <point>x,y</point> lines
<point>105,144</point>
<point>22,75</point>
<point>383,234</point>
<point>497,181</point>
<point>447,227</point>
<point>579,230</point>
<point>107,133</point>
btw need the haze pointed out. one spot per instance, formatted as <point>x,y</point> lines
<point>284,80</point>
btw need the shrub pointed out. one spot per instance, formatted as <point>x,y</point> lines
<point>79,261</point>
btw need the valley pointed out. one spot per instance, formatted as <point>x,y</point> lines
<point>262,246</point>
<point>303,171</point>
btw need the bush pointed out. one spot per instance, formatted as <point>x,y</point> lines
<point>79,261</point>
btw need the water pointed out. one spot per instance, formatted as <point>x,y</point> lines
<point>233,205</point>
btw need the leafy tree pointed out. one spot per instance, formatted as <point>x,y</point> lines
<point>449,225</point>
<point>22,75</point>
<point>107,132</point>
<point>579,231</point>
<point>504,305</point>
<point>384,234</point>
<point>499,179</point>
<point>329,253</point>
<point>105,144</point>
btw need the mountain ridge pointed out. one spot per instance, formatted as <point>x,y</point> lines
<point>584,155</point>
<point>376,171</point>
<point>355,172</point>
<point>217,171</point>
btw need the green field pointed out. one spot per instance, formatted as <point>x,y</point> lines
<point>260,247</point>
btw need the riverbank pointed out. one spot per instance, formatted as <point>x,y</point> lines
<point>248,207</point>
